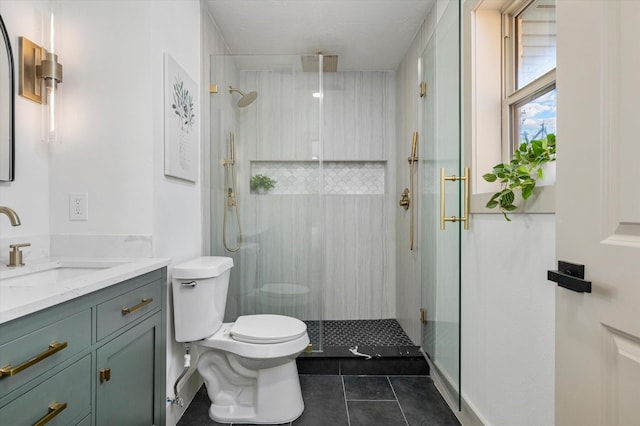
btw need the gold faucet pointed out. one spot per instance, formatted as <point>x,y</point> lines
<point>15,255</point>
<point>12,215</point>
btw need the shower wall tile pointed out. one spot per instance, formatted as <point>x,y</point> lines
<point>339,246</point>
<point>344,177</point>
<point>353,177</point>
<point>354,257</point>
<point>359,115</point>
<point>284,124</point>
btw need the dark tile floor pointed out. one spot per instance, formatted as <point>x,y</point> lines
<point>355,401</point>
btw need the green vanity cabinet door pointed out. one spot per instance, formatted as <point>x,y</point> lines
<point>85,422</point>
<point>127,368</point>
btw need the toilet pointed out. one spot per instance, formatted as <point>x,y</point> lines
<point>248,366</point>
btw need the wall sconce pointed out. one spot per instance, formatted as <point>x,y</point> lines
<point>39,75</point>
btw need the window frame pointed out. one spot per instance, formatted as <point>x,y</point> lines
<point>514,97</point>
<point>486,129</point>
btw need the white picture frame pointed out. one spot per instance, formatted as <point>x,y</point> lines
<point>181,114</point>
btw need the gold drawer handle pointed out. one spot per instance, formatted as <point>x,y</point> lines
<point>54,347</point>
<point>54,409</point>
<point>127,311</point>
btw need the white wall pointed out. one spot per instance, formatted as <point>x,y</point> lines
<point>28,195</point>
<point>508,319</point>
<point>105,118</point>
<point>176,209</point>
<point>507,304</point>
<point>111,120</point>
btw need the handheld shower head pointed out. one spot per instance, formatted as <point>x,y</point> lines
<point>246,99</point>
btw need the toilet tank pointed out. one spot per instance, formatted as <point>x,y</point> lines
<point>199,296</point>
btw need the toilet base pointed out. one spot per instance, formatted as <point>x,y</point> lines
<point>242,395</point>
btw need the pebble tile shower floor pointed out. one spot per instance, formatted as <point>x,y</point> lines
<point>382,332</point>
<point>354,401</point>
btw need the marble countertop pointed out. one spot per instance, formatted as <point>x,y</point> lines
<point>49,282</point>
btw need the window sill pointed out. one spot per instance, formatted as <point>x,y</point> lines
<point>543,200</point>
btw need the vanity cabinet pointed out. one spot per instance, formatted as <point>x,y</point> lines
<point>95,360</point>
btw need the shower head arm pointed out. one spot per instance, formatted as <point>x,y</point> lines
<point>233,89</point>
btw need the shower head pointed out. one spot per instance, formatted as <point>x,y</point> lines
<point>246,99</point>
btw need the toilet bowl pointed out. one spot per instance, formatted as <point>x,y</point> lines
<point>249,365</point>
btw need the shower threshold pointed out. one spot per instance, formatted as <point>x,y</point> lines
<point>362,347</point>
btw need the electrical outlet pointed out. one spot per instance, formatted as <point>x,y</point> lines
<point>79,206</point>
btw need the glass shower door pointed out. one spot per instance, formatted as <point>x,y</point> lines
<point>274,233</point>
<point>442,195</point>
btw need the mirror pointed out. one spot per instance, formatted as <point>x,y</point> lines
<point>7,94</point>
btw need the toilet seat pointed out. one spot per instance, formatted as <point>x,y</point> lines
<point>267,329</point>
<point>222,340</point>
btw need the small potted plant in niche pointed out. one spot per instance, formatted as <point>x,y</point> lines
<point>261,184</point>
<point>522,172</point>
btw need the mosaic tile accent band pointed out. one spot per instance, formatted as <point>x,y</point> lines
<point>383,332</point>
<point>340,177</point>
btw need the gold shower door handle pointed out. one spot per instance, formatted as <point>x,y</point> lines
<point>454,178</point>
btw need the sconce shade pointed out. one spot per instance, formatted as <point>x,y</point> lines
<point>51,71</point>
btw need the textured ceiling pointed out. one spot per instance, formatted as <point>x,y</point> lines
<point>366,34</point>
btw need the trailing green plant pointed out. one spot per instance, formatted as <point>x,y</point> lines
<point>521,173</point>
<point>262,181</point>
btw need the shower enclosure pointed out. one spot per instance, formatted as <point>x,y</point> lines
<point>316,244</point>
<point>265,117</point>
<point>443,199</point>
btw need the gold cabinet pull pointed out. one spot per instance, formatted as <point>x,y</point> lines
<point>465,218</point>
<point>54,347</point>
<point>127,311</point>
<point>105,375</point>
<point>54,409</point>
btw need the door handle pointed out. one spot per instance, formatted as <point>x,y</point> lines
<point>570,276</point>
<point>454,219</point>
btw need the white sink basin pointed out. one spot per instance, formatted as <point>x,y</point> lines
<point>48,282</point>
<point>48,273</point>
<point>46,277</point>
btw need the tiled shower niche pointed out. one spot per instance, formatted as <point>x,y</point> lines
<point>339,177</point>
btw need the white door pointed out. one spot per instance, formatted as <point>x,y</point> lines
<point>598,211</point>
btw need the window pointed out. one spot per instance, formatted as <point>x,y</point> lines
<point>509,60</point>
<point>529,104</point>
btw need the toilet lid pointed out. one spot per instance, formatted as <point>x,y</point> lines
<point>267,329</point>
